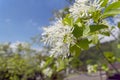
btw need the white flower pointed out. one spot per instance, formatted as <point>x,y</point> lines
<point>92,68</point>
<point>42,64</point>
<point>82,8</point>
<point>59,38</point>
<point>48,71</point>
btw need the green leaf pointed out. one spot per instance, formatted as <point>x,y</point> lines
<point>112,10</point>
<point>106,33</point>
<point>61,65</point>
<point>94,28</point>
<point>78,22</point>
<point>112,6</point>
<point>110,56</point>
<point>86,31</point>
<point>75,50</point>
<point>95,67</point>
<point>95,39</point>
<point>118,24</point>
<point>110,13</point>
<point>75,62</point>
<point>105,67</point>
<point>48,62</point>
<point>118,59</point>
<point>104,3</point>
<point>118,46</point>
<point>84,44</point>
<point>78,31</point>
<point>68,20</point>
<point>96,16</point>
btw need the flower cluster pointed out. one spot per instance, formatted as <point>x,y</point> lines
<point>58,37</point>
<point>83,8</point>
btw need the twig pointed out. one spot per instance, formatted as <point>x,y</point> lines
<point>108,60</point>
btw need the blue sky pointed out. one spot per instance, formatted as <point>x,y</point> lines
<point>21,19</point>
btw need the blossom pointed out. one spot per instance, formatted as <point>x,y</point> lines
<point>42,64</point>
<point>83,8</point>
<point>92,68</point>
<point>48,71</point>
<point>58,37</point>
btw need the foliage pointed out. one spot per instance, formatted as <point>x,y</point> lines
<point>66,38</point>
<point>82,27</point>
<point>24,63</point>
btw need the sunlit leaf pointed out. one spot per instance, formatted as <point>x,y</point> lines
<point>86,30</point>
<point>61,64</point>
<point>94,28</point>
<point>110,56</point>
<point>110,13</point>
<point>75,50</point>
<point>112,6</point>
<point>68,20</point>
<point>49,61</point>
<point>105,67</point>
<point>118,46</point>
<point>95,39</point>
<point>104,3</point>
<point>96,16</point>
<point>84,44</point>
